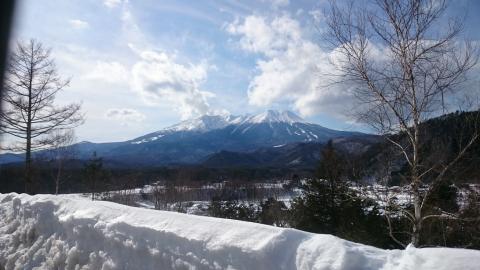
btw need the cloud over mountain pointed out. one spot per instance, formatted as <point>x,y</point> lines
<point>124,115</point>
<point>158,78</point>
<point>293,69</point>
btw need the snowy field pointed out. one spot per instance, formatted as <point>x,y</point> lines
<point>72,232</point>
<point>196,199</point>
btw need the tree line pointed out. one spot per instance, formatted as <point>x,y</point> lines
<point>331,203</point>
<point>401,68</point>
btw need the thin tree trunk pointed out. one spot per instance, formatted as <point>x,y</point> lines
<point>417,200</point>
<point>57,182</point>
<point>28,152</point>
<point>333,211</point>
<point>28,166</point>
<point>93,189</point>
<point>417,225</point>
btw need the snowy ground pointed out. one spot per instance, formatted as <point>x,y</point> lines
<point>71,232</point>
<point>196,200</point>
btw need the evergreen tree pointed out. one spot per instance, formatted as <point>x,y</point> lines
<point>328,205</point>
<point>273,212</point>
<point>93,170</point>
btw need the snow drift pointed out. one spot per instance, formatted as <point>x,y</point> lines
<point>71,232</point>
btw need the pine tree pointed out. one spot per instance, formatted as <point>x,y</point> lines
<point>93,173</point>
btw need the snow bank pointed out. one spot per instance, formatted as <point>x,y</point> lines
<point>71,232</point>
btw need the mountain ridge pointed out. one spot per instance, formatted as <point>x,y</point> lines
<point>191,141</point>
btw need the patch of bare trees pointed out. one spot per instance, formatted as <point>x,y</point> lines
<point>60,152</point>
<point>404,65</point>
<point>29,114</point>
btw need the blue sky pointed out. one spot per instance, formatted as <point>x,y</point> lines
<point>139,66</point>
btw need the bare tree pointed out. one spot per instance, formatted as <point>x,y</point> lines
<point>404,67</point>
<point>158,195</point>
<point>31,84</point>
<point>60,150</point>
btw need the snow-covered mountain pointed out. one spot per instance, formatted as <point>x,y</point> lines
<point>202,124</point>
<point>192,141</point>
<point>206,123</point>
<point>210,122</point>
<point>272,116</point>
<point>285,126</point>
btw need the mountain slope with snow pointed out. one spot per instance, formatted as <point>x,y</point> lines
<point>272,116</point>
<point>72,232</point>
<point>276,122</point>
<point>192,141</point>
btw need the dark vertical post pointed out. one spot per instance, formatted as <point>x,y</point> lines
<point>6,16</point>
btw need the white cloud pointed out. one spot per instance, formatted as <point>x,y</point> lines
<point>159,79</point>
<point>112,3</point>
<point>78,24</point>
<point>111,72</point>
<point>131,32</point>
<point>270,38</point>
<point>124,115</point>
<point>294,69</point>
<point>317,16</point>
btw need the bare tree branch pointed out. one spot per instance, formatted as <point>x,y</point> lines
<point>29,113</point>
<point>404,71</point>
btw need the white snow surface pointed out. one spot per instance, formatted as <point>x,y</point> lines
<point>272,116</point>
<point>202,123</point>
<point>207,123</point>
<point>72,232</point>
<point>211,122</point>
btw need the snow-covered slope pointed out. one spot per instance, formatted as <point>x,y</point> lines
<point>202,123</point>
<point>207,123</point>
<point>285,126</point>
<point>211,122</point>
<point>272,116</point>
<point>71,232</point>
<point>192,141</point>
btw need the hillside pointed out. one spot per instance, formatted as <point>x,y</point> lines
<point>284,155</point>
<point>72,232</point>
<point>304,155</point>
<point>442,139</point>
<point>190,142</point>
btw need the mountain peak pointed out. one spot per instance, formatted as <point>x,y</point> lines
<point>273,116</point>
<point>210,122</point>
<point>203,123</point>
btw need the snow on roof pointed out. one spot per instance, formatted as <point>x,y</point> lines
<point>72,232</point>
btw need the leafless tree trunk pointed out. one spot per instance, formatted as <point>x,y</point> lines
<point>404,68</point>
<point>60,150</point>
<point>158,193</point>
<point>31,83</point>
